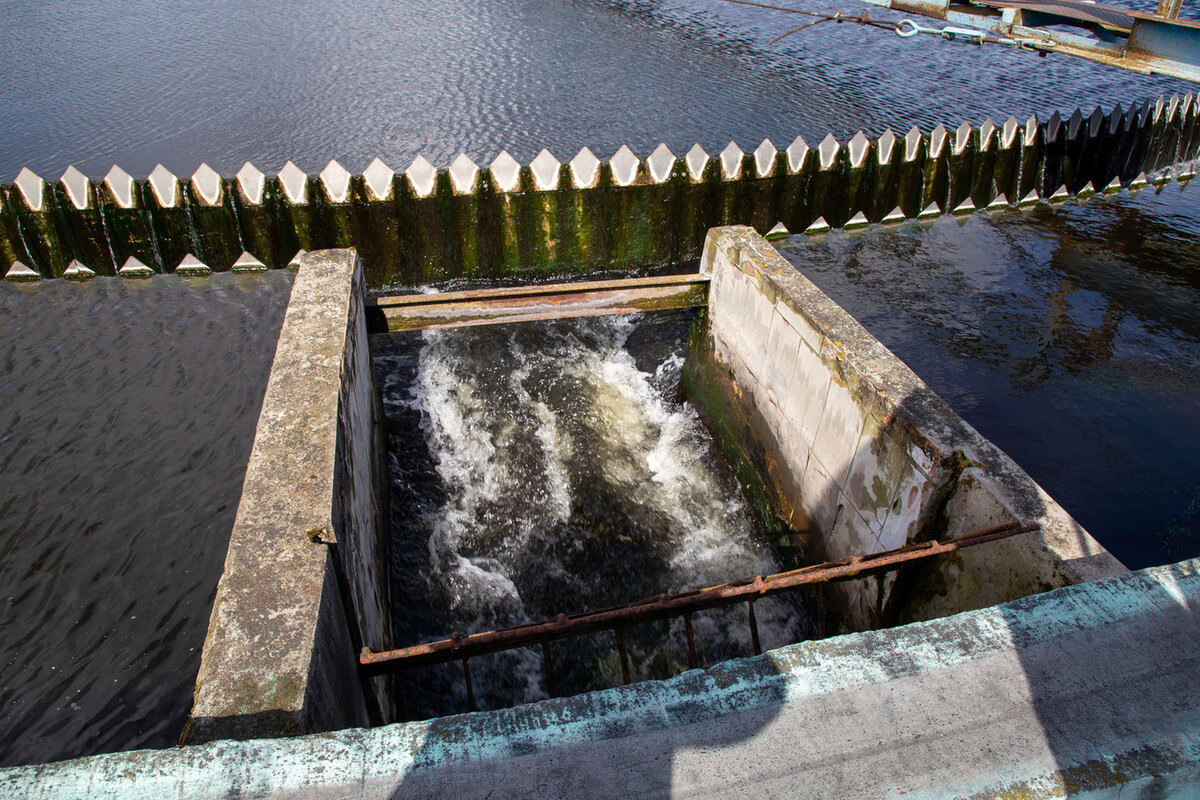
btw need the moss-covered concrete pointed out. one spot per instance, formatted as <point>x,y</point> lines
<point>426,229</point>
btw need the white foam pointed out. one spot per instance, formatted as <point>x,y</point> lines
<point>503,444</point>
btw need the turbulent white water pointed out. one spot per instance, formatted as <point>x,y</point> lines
<point>570,478</point>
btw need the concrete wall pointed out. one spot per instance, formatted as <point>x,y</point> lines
<point>858,455</point>
<point>305,579</point>
<point>425,224</point>
<point>1000,703</point>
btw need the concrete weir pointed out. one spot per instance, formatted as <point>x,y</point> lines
<point>857,455</point>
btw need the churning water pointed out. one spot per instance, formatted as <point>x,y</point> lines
<point>547,468</point>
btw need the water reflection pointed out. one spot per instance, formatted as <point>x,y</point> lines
<point>1070,338</point>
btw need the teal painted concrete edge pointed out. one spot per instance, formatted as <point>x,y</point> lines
<point>349,758</point>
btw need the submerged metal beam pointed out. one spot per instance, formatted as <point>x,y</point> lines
<point>414,312</point>
<point>664,606</point>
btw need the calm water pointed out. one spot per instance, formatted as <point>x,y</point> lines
<point>1071,338</point>
<point>224,81</point>
<point>548,468</point>
<point>127,412</point>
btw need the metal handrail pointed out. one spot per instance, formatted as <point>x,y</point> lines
<point>617,618</point>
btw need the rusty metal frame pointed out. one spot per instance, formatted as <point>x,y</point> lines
<point>461,648</point>
<point>415,312</point>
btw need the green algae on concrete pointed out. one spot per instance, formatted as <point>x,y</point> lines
<point>419,227</point>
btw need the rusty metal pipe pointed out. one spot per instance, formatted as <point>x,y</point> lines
<point>665,606</point>
<point>693,662</point>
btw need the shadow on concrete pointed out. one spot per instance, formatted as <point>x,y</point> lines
<point>617,743</point>
<point>1114,692</point>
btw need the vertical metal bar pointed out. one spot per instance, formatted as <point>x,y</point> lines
<point>693,662</point>
<point>470,689</point>
<point>820,612</point>
<point>754,630</point>
<point>1169,8</point>
<point>546,668</point>
<point>620,632</point>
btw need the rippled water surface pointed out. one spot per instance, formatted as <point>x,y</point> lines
<point>1070,338</point>
<point>138,82</point>
<point>548,468</point>
<point>127,412</point>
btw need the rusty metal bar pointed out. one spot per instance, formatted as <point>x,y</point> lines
<point>754,641</point>
<point>624,656</point>
<point>693,662</point>
<point>665,606</point>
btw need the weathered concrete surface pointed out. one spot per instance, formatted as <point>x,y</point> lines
<point>625,212</point>
<point>859,452</point>
<point>362,551</point>
<point>1087,691</point>
<point>279,657</point>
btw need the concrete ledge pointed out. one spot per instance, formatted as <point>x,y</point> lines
<point>1004,702</point>
<point>279,657</point>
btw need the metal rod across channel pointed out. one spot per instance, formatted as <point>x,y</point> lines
<point>663,606</point>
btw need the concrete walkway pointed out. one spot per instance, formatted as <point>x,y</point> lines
<point>1090,691</point>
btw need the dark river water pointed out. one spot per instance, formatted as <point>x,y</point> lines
<point>1070,338</point>
<point>127,412</point>
<point>138,82</point>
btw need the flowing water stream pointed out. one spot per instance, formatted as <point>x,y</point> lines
<point>547,468</point>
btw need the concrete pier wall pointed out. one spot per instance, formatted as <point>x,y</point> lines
<point>1005,702</point>
<point>858,455</point>
<point>306,575</point>
<point>424,224</point>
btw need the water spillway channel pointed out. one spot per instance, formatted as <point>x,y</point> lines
<point>551,468</point>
